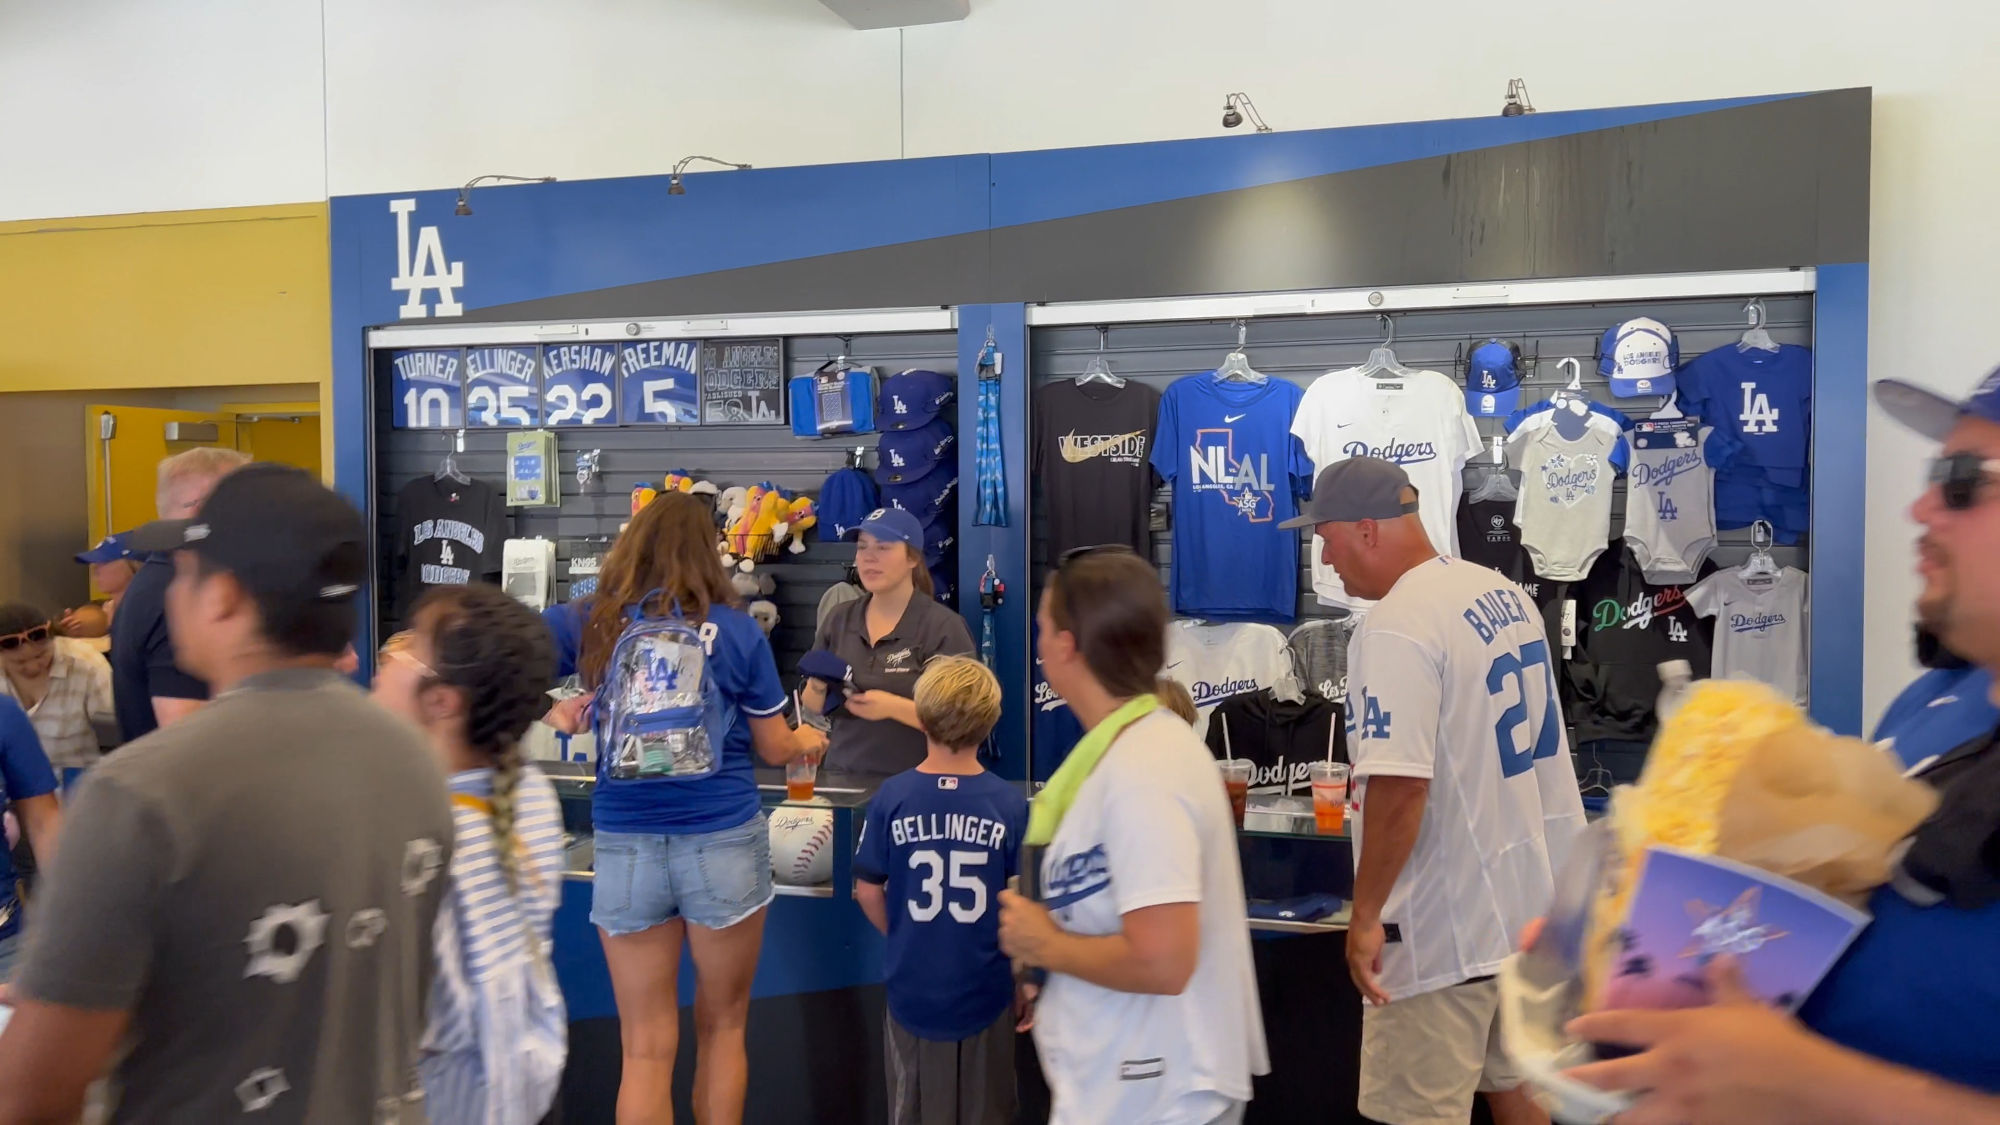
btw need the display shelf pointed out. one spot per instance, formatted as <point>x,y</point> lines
<point>1263,834</point>
<point>820,890</point>
<point>1336,924</point>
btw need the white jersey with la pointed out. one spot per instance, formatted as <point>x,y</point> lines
<point>1450,678</point>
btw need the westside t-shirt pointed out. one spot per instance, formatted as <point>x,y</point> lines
<point>943,846</point>
<point>448,534</point>
<point>1091,446</point>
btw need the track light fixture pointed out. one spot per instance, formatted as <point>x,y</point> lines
<point>674,184</point>
<point>1236,107</point>
<point>1517,102</point>
<point>465,193</point>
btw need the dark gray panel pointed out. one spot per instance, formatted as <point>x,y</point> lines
<point>727,455</point>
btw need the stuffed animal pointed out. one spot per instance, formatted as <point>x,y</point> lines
<point>799,516</point>
<point>750,585</point>
<point>772,508</point>
<point>765,614</point>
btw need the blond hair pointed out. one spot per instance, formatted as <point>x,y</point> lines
<point>1174,697</point>
<point>958,701</point>
<point>204,463</point>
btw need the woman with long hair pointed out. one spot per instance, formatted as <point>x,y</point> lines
<point>885,638</point>
<point>681,860</point>
<point>1147,947</point>
<point>471,672</point>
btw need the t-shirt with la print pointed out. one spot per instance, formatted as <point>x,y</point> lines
<point>1416,420</point>
<point>1090,443</point>
<point>1237,472</point>
<point>1626,627</point>
<point>449,533</point>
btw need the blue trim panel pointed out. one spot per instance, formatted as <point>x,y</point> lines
<point>1008,545</point>
<point>1839,480</point>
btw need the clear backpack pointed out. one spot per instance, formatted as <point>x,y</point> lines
<point>659,715</point>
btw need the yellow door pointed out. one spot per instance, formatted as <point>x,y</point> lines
<point>287,433</point>
<point>127,444</point>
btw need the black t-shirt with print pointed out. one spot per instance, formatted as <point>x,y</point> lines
<point>1279,738</point>
<point>1487,536</point>
<point>1090,444</point>
<point>447,534</point>
<point>1625,628</point>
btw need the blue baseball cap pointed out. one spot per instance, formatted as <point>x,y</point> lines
<point>844,501</point>
<point>1493,379</point>
<point>896,526</point>
<point>911,399</point>
<point>906,455</point>
<point>111,548</point>
<point>928,498</point>
<point>1639,356</point>
<point>940,543</point>
<point>1933,415</point>
<point>944,583</point>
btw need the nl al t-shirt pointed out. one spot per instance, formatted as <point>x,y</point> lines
<point>448,534</point>
<point>1091,455</point>
<point>1237,472</point>
<point>1416,420</point>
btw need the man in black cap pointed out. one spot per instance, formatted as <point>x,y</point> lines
<point>249,902</point>
<point>1468,799</point>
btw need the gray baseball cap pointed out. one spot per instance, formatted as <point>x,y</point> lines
<point>1359,488</point>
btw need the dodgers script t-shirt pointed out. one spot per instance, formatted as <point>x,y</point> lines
<point>1214,662</point>
<point>1451,679</point>
<point>1237,473</point>
<point>1416,420</point>
<point>1760,627</point>
<point>1091,446</point>
<point>1626,627</point>
<point>448,534</point>
<point>1278,737</point>
<point>943,846</point>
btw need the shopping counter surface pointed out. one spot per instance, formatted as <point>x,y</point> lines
<point>817,1002</point>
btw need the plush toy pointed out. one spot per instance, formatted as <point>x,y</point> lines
<point>750,585</point>
<point>765,614</point>
<point>762,541</point>
<point>799,516</point>
<point>679,480</point>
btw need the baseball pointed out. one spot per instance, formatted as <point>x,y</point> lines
<point>802,844</point>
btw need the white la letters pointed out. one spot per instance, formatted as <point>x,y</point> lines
<point>424,270</point>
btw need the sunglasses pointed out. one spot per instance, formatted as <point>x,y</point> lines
<point>33,636</point>
<point>1958,476</point>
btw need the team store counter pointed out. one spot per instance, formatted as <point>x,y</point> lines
<point>817,999</point>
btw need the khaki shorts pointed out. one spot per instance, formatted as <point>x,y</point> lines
<point>1423,1059</point>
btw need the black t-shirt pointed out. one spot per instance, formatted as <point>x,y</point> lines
<point>1625,628</point>
<point>1487,536</point>
<point>448,534</point>
<point>1090,447</point>
<point>142,653</point>
<point>1279,738</point>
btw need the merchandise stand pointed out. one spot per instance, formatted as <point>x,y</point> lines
<point>1305,237</point>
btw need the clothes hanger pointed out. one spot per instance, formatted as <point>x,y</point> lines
<point>1382,362</point>
<point>1670,409</point>
<point>1755,338</point>
<point>1571,395</point>
<point>1098,371</point>
<point>448,468</point>
<point>1235,367</point>
<point>1760,563</point>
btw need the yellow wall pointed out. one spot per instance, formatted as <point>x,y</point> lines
<point>224,297</point>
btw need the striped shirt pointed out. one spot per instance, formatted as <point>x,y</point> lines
<point>79,691</point>
<point>498,1035</point>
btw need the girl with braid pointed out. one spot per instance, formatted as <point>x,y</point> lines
<point>471,672</point>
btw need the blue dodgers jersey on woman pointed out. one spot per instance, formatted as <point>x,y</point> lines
<point>944,846</point>
<point>746,674</point>
<point>1237,472</point>
<point>24,773</point>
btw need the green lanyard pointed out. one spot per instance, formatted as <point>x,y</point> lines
<point>1053,803</point>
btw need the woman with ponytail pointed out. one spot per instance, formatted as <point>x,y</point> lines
<point>471,672</point>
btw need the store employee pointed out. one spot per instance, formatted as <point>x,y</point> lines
<point>885,638</point>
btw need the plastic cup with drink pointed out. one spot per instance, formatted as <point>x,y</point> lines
<point>1235,778</point>
<point>1329,793</point>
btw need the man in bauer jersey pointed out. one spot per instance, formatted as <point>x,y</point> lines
<point>1468,799</point>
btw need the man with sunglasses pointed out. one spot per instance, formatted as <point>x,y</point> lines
<point>1906,1027</point>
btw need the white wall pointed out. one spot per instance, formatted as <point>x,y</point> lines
<point>112,106</point>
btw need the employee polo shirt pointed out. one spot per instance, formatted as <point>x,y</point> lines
<point>142,652</point>
<point>885,746</point>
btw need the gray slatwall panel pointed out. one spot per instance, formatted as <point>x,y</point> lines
<point>727,455</point>
<point>1303,348</point>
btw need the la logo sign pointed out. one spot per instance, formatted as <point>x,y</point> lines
<point>425,270</point>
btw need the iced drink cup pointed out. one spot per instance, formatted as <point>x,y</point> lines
<point>1236,779</point>
<point>1329,789</point>
<point>800,773</point>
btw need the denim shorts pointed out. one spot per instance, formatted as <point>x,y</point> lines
<point>713,879</point>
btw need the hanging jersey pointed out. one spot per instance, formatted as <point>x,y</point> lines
<point>1451,679</point>
<point>1670,506</point>
<point>1278,738</point>
<point>1760,627</point>
<point>1488,536</point>
<point>448,534</point>
<point>1319,655</point>
<point>1564,510</point>
<point>1626,626</point>
<point>1765,400</point>
<point>1237,473</point>
<point>1215,662</point>
<point>1542,413</point>
<point>1090,446</point>
<point>1055,729</point>
<point>1417,421</point>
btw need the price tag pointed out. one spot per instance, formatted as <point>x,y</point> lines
<point>502,387</point>
<point>424,389</point>
<point>580,384</point>
<point>661,384</point>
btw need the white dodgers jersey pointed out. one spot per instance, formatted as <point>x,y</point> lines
<point>1670,507</point>
<point>1450,678</point>
<point>1416,420</point>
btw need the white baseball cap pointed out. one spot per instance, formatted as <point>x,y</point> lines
<point>1640,356</point>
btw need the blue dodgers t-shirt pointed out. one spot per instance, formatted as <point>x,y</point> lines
<point>944,846</point>
<point>1237,472</point>
<point>24,773</point>
<point>740,660</point>
<point>1764,399</point>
